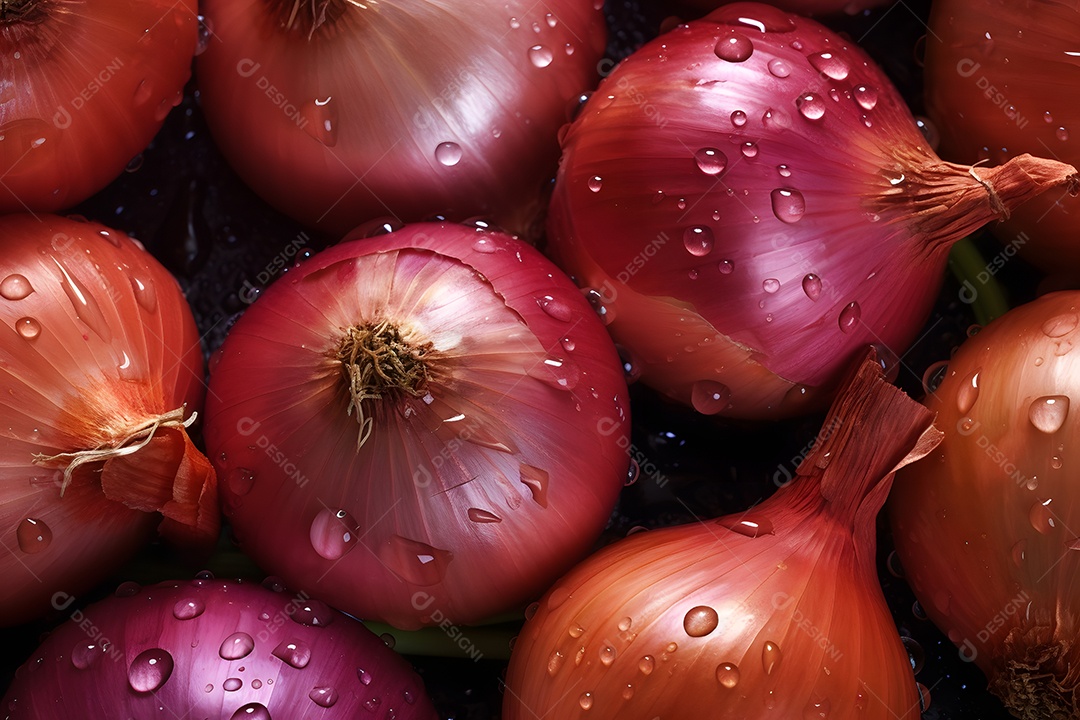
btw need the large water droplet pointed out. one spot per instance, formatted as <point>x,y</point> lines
<point>556,308</point>
<point>320,118</point>
<point>735,47</point>
<point>866,96</point>
<point>236,646</point>
<point>607,655</point>
<point>700,621</point>
<point>252,711</point>
<point>1048,413</point>
<point>188,608</point>
<point>770,657</point>
<point>596,183</point>
<point>149,670</point>
<point>1041,517</point>
<point>537,481</point>
<point>585,701</point>
<point>414,561</point>
<point>752,526</point>
<point>710,161</point>
<point>33,535</point>
<point>850,317</point>
<point>788,205</point>
<point>709,397</point>
<point>293,652</point>
<point>86,306</point>
<point>555,661</point>
<point>968,392</point>
<point>85,654</point>
<point>830,65</point>
<point>145,293</point>
<point>239,481</point>
<point>646,665</point>
<point>770,285</point>
<point>448,153</point>
<point>779,68</point>
<point>811,105</point>
<point>333,533</point>
<point>478,515</point>
<point>915,653</point>
<point>28,328</point>
<point>323,696</point>
<point>726,267</point>
<point>559,373</point>
<point>811,285</point>
<point>698,240</point>
<point>313,613</point>
<point>749,149</point>
<point>727,674</point>
<point>738,118</point>
<point>232,684</point>
<point>1060,325</point>
<point>540,56</point>
<point>15,287</point>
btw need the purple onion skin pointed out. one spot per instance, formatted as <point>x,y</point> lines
<point>164,652</point>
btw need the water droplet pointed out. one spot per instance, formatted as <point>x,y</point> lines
<point>811,285</point>
<point>448,153</point>
<point>625,624</point>
<point>323,696</point>
<point>646,665</point>
<point>709,397</point>
<point>232,684</point>
<point>540,56</point>
<point>866,96</point>
<point>596,183</point>
<point>134,164</point>
<point>86,306</point>
<point>293,652</point>
<point>770,285</point>
<point>726,267</point>
<point>849,317</point>
<point>968,392</point>
<point>15,287</point>
<point>28,328</point>
<point>1018,553</point>
<point>478,515</point>
<point>749,149</point>
<point>313,613</point>
<point>607,655</point>
<point>236,646</point>
<point>749,526</point>
<point>537,481</point>
<point>783,171</point>
<point>1048,413</point>
<point>710,161</point>
<point>585,701</point>
<point>414,561</point>
<point>817,709</point>
<point>779,68</point>
<point>556,308</point>
<point>770,657</point>
<point>188,609</point>
<point>604,311</point>
<point>1061,134</point>
<point>85,654</point>
<point>727,674</point>
<point>239,481</point>
<point>256,684</point>
<point>788,205</point>
<point>149,670</point>
<point>559,373</point>
<point>829,65</point>
<point>698,240</point>
<point>1060,325</point>
<point>811,106</point>
<point>738,118</point>
<point>700,621</point>
<point>575,631</point>
<point>33,535</point>
<point>1041,518</point>
<point>145,293</point>
<point>128,589</point>
<point>252,711</point>
<point>915,653</point>
<point>924,697</point>
<point>333,533</point>
<point>1055,462</point>
<point>320,118</point>
<point>735,47</point>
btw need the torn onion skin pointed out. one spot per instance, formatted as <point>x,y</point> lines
<point>221,649</point>
<point>337,111</point>
<point>84,87</point>
<point>986,525</point>
<point>425,426</point>
<point>772,613</point>
<point>101,373</point>
<point>754,203</point>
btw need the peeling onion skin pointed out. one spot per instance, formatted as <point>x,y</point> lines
<point>467,498</point>
<point>998,574</point>
<point>434,108</point>
<point>772,613</point>
<point>751,222</point>
<point>1009,94</point>
<point>84,87</point>
<point>165,647</point>
<point>68,385</point>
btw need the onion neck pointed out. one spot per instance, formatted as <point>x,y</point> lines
<point>308,17</point>
<point>28,12</point>
<point>1038,681</point>
<point>376,362</point>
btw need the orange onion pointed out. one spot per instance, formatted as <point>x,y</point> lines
<point>775,612</point>
<point>101,374</point>
<point>337,112</point>
<point>986,527</point>
<point>752,202</point>
<point>426,426</point>
<point>84,86</point>
<point>999,82</point>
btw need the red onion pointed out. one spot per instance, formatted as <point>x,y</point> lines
<point>754,204</point>
<point>101,373</point>
<point>213,649</point>
<point>771,613</point>
<point>986,527</point>
<point>421,426</point>
<point>337,112</point>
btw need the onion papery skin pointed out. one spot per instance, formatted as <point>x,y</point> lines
<point>998,574</point>
<point>218,649</point>
<point>404,109</point>
<point>69,384</point>
<point>999,82</point>
<point>775,612</point>
<point>753,223</point>
<point>465,500</point>
<point>84,87</point>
